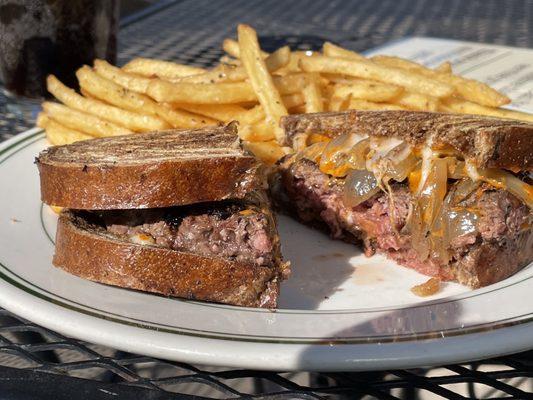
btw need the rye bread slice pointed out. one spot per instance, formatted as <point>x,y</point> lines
<point>488,142</point>
<point>159,169</point>
<point>88,251</point>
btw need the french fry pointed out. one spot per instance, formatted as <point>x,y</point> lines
<point>476,91</point>
<point>298,109</point>
<point>269,152</point>
<point>340,103</point>
<point>134,82</point>
<point>331,50</point>
<point>162,69</point>
<point>260,79</point>
<point>358,104</point>
<point>227,112</point>
<point>455,105</point>
<point>198,93</point>
<point>444,68</point>
<point>58,134</point>
<point>121,97</point>
<point>294,63</point>
<point>231,47</point>
<point>370,70</point>
<point>291,83</point>
<point>134,121</point>
<point>313,97</point>
<point>225,73</point>
<point>82,122</point>
<point>227,60</point>
<point>293,100</point>
<point>259,132</point>
<point>417,101</point>
<point>368,90</point>
<point>470,89</point>
<point>398,62</point>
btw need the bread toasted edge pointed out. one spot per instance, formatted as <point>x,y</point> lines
<point>150,185</point>
<point>488,142</point>
<point>104,259</point>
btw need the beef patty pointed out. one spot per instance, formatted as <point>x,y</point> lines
<point>228,230</point>
<point>501,244</point>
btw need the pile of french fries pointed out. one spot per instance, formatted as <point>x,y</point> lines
<point>256,89</point>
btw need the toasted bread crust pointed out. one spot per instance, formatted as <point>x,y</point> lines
<point>105,259</point>
<point>488,142</point>
<point>158,184</point>
<point>148,170</point>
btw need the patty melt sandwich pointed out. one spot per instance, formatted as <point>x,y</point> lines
<point>448,195</point>
<point>180,213</point>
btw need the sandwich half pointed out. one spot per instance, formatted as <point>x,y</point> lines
<point>179,213</point>
<point>448,195</point>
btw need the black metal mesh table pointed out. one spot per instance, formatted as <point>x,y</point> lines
<point>38,363</point>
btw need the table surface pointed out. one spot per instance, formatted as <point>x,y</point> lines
<point>191,32</point>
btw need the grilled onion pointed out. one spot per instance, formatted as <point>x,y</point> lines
<point>462,190</point>
<point>461,222</point>
<point>334,160</point>
<point>399,162</point>
<point>359,186</point>
<point>312,152</point>
<point>425,216</point>
<point>357,154</point>
<point>433,190</point>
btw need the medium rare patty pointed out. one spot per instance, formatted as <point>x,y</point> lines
<point>502,238</point>
<point>229,230</point>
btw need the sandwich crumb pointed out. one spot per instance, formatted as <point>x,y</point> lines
<point>428,288</point>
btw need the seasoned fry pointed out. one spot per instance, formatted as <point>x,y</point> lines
<point>259,132</point>
<point>371,70</point>
<point>313,97</point>
<point>119,96</point>
<point>340,103</point>
<point>470,89</point>
<point>331,50</point>
<point>273,62</point>
<point>467,107</point>
<point>58,134</point>
<point>162,69</point>
<point>227,112</point>
<point>269,152</point>
<point>198,93</point>
<point>476,91</point>
<point>293,100</point>
<point>294,63</point>
<point>292,83</point>
<point>397,62</point>
<point>367,90</point>
<point>231,47</point>
<point>444,68</point>
<point>134,82</point>
<point>261,81</point>
<point>134,121</point>
<point>82,122</point>
<point>227,60</point>
<point>417,101</point>
<point>358,104</point>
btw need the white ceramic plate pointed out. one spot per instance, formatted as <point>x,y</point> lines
<point>338,311</point>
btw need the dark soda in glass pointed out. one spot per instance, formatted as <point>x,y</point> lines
<point>42,37</point>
